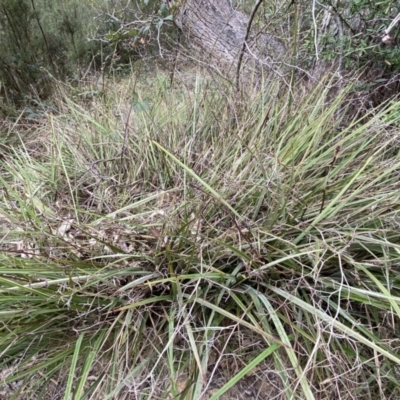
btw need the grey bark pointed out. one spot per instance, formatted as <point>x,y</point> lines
<point>218,30</point>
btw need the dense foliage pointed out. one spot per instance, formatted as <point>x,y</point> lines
<point>45,41</point>
<point>159,250</point>
<point>169,236</point>
<point>42,41</point>
<point>352,35</point>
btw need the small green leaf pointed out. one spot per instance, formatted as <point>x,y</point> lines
<point>132,32</point>
<point>141,106</point>
<point>163,9</point>
<point>135,97</point>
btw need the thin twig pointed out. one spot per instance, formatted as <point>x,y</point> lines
<point>253,14</point>
<point>315,31</point>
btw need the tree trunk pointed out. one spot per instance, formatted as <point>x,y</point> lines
<point>219,31</point>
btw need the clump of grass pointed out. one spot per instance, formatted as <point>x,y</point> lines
<point>158,240</point>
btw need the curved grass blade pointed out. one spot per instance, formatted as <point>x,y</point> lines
<point>72,370</point>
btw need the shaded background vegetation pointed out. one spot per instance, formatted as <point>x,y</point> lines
<point>45,41</point>
<point>42,41</point>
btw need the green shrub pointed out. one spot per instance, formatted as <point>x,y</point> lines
<point>42,40</point>
<point>350,34</point>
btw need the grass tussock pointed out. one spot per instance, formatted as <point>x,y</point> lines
<point>184,242</point>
